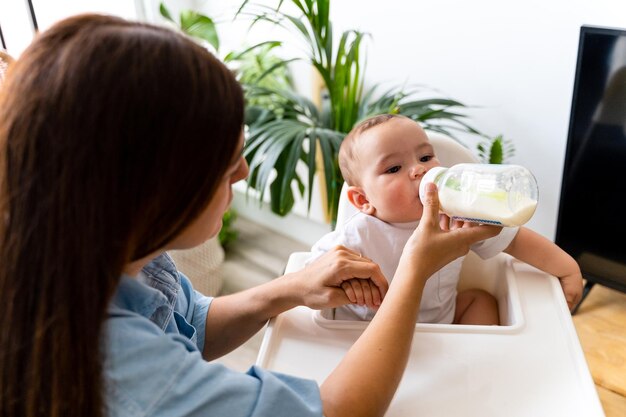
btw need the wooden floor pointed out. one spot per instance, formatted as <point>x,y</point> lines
<point>260,255</point>
<point>601,326</point>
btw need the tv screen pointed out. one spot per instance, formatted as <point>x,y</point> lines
<point>591,222</point>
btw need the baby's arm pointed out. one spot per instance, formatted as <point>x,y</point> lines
<point>536,250</point>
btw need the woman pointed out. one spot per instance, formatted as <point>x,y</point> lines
<point>119,141</point>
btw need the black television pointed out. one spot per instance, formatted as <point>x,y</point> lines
<point>591,223</point>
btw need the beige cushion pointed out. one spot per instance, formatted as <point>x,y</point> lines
<point>202,265</point>
<point>449,151</point>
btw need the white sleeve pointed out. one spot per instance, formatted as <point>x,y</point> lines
<point>347,236</point>
<point>493,246</point>
<point>326,243</point>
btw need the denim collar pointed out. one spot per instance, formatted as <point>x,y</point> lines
<point>155,296</point>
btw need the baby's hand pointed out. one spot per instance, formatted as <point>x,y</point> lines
<point>362,292</point>
<point>572,285</point>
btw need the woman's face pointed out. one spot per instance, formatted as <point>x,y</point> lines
<point>209,223</point>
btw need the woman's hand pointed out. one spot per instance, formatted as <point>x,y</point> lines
<point>447,224</point>
<point>322,284</point>
<point>437,241</point>
<point>340,276</point>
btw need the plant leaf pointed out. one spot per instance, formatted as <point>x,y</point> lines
<point>165,12</point>
<point>199,26</point>
<point>233,56</point>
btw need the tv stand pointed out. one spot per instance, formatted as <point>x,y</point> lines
<point>586,289</point>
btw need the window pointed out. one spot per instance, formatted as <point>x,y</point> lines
<point>18,17</point>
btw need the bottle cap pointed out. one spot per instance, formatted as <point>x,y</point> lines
<point>430,176</point>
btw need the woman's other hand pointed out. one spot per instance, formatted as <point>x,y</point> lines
<point>329,281</point>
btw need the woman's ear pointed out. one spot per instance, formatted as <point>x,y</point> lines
<point>358,199</point>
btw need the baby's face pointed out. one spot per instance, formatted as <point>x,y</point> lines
<point>393,158</point>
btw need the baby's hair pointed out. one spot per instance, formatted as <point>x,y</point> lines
<point>347,151</point>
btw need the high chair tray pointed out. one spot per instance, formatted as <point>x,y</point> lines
<point>532,366</point>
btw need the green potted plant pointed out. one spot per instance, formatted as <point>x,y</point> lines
<point>255,65</point>
<point>495,150</point>
<point>295,129</point>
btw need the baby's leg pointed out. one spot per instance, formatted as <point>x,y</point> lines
<point>476,307</point>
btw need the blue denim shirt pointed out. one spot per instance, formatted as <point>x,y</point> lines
<point>153,365</point>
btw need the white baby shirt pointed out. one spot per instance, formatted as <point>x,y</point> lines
<point>383,243</point>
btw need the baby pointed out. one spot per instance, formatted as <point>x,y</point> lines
<point>383,160</point>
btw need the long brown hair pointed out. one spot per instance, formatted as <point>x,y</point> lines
<point>113,137</point>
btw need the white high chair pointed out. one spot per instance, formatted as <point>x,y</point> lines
<point>531,365</point>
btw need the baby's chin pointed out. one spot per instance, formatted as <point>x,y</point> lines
<point>406,218</point>
<point>407,214</point>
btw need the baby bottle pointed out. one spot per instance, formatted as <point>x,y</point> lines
<point>503,195</point>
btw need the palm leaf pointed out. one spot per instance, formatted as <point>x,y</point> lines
<point>165,12</point>
<point>292,157</point>
<point>199,26</point>
<point>233,56</point>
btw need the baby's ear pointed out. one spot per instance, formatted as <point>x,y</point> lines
<point>358,199</point>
